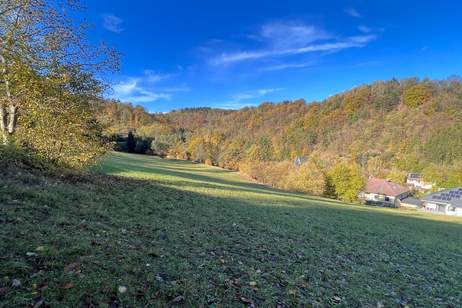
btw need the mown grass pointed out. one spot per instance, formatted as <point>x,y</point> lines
<point>178,233</point>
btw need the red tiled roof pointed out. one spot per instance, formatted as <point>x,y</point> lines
<point>384,187</point>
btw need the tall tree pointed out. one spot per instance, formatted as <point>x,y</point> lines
<point>39,36</point>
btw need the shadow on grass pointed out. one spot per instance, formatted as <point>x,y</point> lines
<point>358,255</point>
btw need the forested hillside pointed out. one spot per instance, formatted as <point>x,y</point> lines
<point>384,129</point>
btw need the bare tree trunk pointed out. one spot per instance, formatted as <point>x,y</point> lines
<point>8,116</point>
<point>12,117</point>
<point>3,124</point>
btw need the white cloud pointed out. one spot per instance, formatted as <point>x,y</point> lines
<point>124,88</point>
<point>152,76</point>
<point>285,39</point>
<point>145,88</point>
<point>132,91</point>
<point>352,12</point>
<point>284,66</point>
<point>255,93</point>
<point>350,42</point>
<point>112,23</point>
<point>233,105</point>
<point>283,35</point>
<point>179,89</point>
<point>364,29</point>
<point>236,101</point>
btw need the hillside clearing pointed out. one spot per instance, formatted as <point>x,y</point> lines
<point>178,233</point>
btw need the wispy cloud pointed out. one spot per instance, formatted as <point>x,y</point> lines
<point>255,93</point>
<point>233,105</point>
<point>287,39</point>
<point>291,34</point>
<point>241,100</point>
<point>350,42</point>
<point>112,23</point>
<point>179,89</point>
<point>352,12</point>
<point>132,91</point>
<point>283,66</point>
<point>152,76</point>
<point>142,89</point>
<point>364,29</point>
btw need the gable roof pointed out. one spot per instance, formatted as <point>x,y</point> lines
<point>384,187</point>
<point>451,196</point>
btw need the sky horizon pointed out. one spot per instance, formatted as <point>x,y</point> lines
<point>237,54</point>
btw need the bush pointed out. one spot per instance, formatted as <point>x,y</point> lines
<point>12,157</point>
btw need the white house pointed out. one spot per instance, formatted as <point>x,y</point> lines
<point>415,181</point>
<point>448,202</point>
<point>384,192</point>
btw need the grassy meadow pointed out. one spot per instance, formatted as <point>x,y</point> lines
<point>142,231</point>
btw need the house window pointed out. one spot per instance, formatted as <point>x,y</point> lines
<point>387,198</point>
<point>451,209</point>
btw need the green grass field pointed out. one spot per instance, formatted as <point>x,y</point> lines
<point>178,233</point>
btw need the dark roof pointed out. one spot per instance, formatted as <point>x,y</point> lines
<point>452,196</point>
<point>412,201</point>
<point>384,187</point>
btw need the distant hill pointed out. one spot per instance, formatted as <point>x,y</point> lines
<point>385,128</point>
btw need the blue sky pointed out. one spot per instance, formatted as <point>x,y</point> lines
<point>231,54</point>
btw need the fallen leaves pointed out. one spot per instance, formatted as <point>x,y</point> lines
<point>73,268</point>
<point>337,299</point>
<point>66,285</point>
<point>15,283</point>
<point>178,299</point>
<point>122,289</point>
<point>246,301</point>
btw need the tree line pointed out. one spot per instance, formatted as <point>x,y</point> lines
<point>385,129</point>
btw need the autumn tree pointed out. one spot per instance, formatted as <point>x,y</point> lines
<point>417,95</point>
<point>47,74</point>
<point>347,180</point>
<point>309,178</point>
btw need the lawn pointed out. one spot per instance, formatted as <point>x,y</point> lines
<point>142,231</point>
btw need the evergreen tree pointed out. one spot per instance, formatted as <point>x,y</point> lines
<point>131,143</point>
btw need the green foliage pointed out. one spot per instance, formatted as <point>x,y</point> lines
<point>59,126</point>
<point>47,83</point>
<point>397,176</point>
<point>445,146</point>
<point>347,180</point>
<point>443,176</point>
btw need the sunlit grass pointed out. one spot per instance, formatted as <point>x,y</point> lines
<point>178,233</point>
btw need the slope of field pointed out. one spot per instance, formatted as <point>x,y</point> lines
<point>159,232</point>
